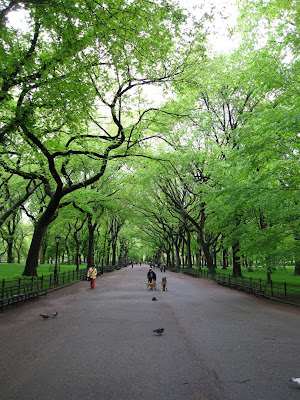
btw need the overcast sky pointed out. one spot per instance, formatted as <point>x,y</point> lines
<point>228,8</point>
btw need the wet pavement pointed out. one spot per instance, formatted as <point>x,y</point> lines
<point>217,343</point>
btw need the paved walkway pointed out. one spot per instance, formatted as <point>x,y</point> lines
<point>217,344</point>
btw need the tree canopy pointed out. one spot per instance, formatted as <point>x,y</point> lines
<point>130,138</point>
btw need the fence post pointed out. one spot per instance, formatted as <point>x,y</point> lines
<point>50,281</point>
<point>3,282</point>
<point>42,281</point>
<point>285,290</point>
<point>271,287</point>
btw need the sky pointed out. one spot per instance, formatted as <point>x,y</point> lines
<point>220,41</point>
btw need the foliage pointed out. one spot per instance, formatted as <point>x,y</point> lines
<point>212,167</point>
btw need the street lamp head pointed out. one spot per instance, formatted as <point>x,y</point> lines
<point>57,238</point>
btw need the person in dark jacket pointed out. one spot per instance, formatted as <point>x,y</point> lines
<point>151,275</point>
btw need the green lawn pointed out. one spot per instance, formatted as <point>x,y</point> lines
<point>14,270</point>
<point>280,275</point>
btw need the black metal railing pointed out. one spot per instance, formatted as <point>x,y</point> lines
<point>47,281</point>
<point>278,290</point>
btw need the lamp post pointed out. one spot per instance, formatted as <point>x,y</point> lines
<point>97,257</point>
<point>57,240</point>
<point>214,256</point>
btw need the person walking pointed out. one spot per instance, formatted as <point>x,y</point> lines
<point>92,273</point>
<point>151,275</point>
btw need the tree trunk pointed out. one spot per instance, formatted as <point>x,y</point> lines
<point>168,252</point>
<point>114,251</point>
<point>206,252</point>
<point>91,228</point>
<point>33,254</point>
<point>77,255</point>
<point>182,255</point>
<point>297,267</point>
<point>214,257</point>
<point>10,257</point>
<point>107,256</point>
<point>198,260</point>
<point>19,256</point>
<point>188,249</point>
<point>297,256</point>
<point>225,259</point>
<point>38,234</point>
<point>237,271</point>
<point>43,250</point>
<point>177,255</point>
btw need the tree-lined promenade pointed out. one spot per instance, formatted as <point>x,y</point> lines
<point>134,141</point>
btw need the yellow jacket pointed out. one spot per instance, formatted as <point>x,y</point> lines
<point>92,273</point>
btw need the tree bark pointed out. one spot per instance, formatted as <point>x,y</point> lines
<point>206,251</point>
<point>188,248</point>
<point>91,229</point>
<point>237,271</point>
<point>225,258</point>
<point>10,258</point>
<point>297,267</point>
<point>38,234</point>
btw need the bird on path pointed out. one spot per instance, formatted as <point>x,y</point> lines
<point>154,298</point>
<point>295,380</point>
<point>54,314</point>
<point>159,331</point>
<point>44,316</point>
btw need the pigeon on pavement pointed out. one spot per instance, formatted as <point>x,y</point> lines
<point>159,331</point>
<point>44,316</point>
<point>54,314</point>
<point>295,380</point>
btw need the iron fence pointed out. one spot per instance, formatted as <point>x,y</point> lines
<point>278,290</point>
<point>47,281</point>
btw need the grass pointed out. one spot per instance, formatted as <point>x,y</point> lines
<point>281,275</point>
<point>15,270</point>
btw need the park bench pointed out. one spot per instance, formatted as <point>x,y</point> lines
<point>260,288</point>
<point>10,295</point>
<point>256,288</point>
<point>236,283</point>
<point>109,269</point>
<point>33,291</point>
<point>247,286</point>
<point>14,295</point>
<point>191,272</point>
<point>224,281</point>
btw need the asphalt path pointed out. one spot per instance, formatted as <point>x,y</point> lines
<point>218,343</point>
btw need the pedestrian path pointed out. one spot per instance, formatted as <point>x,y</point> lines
<point>216,344</point>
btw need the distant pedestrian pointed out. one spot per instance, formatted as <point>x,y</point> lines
<point>92,273</point>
